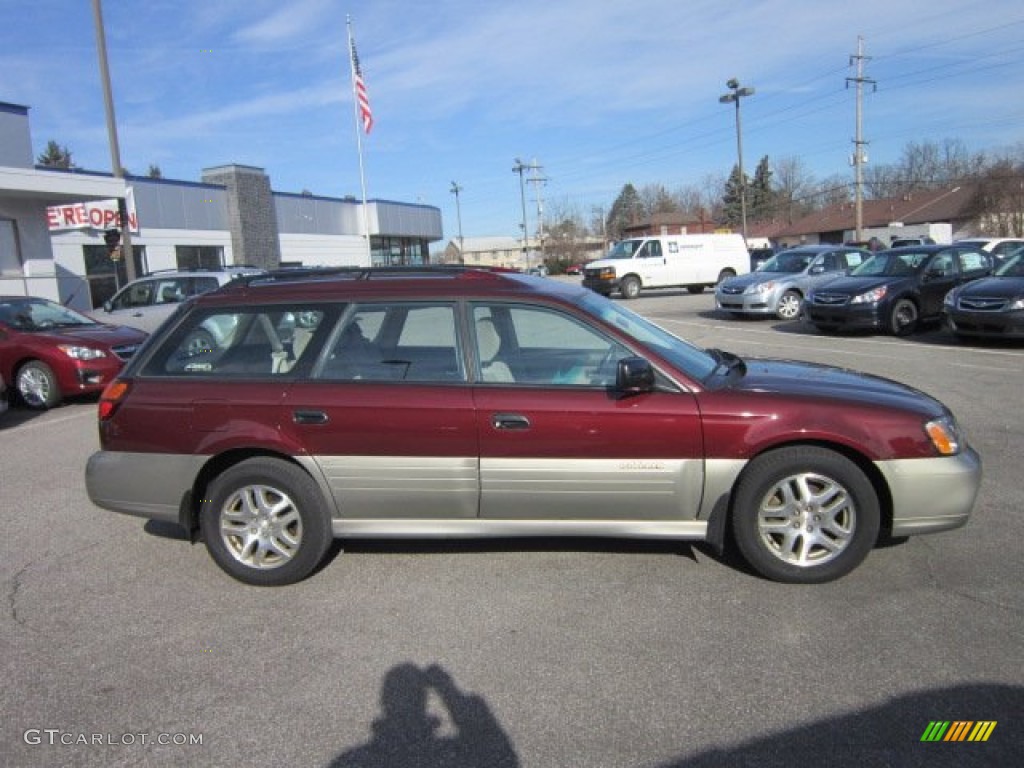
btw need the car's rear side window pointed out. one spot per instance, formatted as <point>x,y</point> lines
<point>395,342</point>
<point>240,343</point>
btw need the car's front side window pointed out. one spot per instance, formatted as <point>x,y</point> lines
<point>138,295</point>
<point>535,345</point>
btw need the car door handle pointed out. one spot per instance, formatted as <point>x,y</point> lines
<point>309,417</point>
<point>509,421</point>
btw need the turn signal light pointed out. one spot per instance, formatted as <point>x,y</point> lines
<point>943,434</point>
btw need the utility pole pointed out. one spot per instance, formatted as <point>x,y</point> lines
<point>115,150</point>
<point>458,213</point>
<point>538,181</point>
<point>519,168</point>
<point>860,156</point>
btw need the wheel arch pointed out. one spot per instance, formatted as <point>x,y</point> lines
<point>188,514</point>
<point>874,476</point>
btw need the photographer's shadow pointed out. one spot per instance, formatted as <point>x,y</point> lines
<point>406,735</point>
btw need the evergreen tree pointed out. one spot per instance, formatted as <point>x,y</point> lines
<point>55,156</point>
<point>760,194</point>
<point>155,172</point>
<point>625,211</point>
<point>732,210</point>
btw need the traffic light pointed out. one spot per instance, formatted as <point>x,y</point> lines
<point>112,237</point>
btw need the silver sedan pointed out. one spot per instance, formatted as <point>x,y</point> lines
<point>779,285</point>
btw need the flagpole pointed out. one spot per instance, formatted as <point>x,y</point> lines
<point>357,114</point>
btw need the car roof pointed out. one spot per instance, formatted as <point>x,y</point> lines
<point>925,248</point>
<point>821,247</point>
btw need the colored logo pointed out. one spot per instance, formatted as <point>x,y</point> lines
<point>958,730</point>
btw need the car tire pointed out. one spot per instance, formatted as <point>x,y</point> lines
<point>630,287</point>
<point>265,522</point>
<point>37,385</point>
<point>788,307</point>
<point>903,317</point>
<point>695,288</point>
<point>724,275</point>
<point>198,342</point>
<point>804,515</point>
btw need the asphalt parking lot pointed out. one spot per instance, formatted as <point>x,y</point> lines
<point>124,645</point>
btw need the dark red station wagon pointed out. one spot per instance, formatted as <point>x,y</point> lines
<point>284,410</point>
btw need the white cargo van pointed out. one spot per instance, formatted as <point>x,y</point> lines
<point>667,261</point>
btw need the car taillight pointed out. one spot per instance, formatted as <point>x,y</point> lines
<point>112,397</point>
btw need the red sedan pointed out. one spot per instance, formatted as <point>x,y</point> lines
<point>49,352</point>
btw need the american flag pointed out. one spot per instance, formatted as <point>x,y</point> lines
<point>365,113</point>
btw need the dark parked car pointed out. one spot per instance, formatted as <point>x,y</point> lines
<point>895,290</point>
<point>459,403</point>
<point>992,306</point>
<point>48,351</point>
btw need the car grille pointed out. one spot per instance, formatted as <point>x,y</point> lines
<point>982,304</point>
<point>830,299</point>
<point>125,351</point>
<point>730,289</point>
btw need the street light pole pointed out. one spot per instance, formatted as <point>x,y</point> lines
<point>458,213</point>
<point>519,167</point>
<point>737,94</point>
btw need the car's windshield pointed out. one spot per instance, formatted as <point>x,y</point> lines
<point>787,262</point>
<point>624,249</point>
<point>28,314</point>
<point>1013,267</point>
<point>892,264</point>
<point>692,360</point>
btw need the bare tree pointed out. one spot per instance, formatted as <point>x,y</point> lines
<point>655,198</point>
<point>793,189</point>
<point>1000,199</point>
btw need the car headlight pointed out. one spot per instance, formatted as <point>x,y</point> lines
<point>1018,304</point>
<point>81,353</point>
<point>870,297</point>
<point>762,287</point>
<point>945,435</point>
<point>950,299</point>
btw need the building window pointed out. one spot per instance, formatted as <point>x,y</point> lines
<point>10,253</point>
<point>199,256</point>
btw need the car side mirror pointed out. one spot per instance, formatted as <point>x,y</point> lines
<point>634,376</point>
<point>107,306</point>
<point>817,269</point>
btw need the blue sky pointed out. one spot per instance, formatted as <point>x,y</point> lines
<point>598,92</point>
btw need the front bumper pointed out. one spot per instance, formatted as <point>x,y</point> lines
<point>604,286</point>
<point>849,316</point>
<point>748,303</point>
<point>1002,325</point>
<point>932,495</point>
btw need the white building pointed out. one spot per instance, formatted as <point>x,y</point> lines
<point>52,224</point>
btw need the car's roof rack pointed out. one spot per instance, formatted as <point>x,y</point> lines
<point>190,270</point>
<point>290,274</point>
